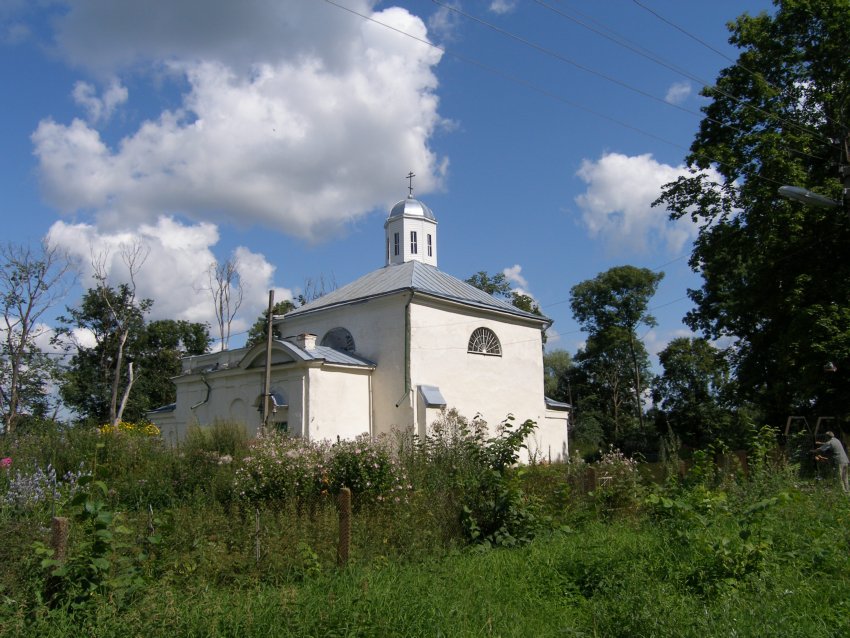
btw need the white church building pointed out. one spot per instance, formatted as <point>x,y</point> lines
<point>386,352</point>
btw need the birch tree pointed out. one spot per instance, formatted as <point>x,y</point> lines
<point>225,286</point>
<point>32,280</point>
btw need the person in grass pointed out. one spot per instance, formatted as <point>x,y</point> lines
<point>832,448</point>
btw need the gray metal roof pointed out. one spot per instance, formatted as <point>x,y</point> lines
<point>417,277</point>
<point>318,353</point>
<point>412,207</point>
<point>432,396</point>
<point>330,355</point>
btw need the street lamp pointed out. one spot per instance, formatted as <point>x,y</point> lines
<point>808,197</point>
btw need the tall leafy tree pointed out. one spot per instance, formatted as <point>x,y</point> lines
<point>496,285</point>
<point>154,349</point>
<point>692,391</point>
<point>776,278</point>
<point>257,333</point>
<point>557,366</point>
<point>610,308</point>
<point>98,373</point>
<point>605,389</point>
<point>32,280</point>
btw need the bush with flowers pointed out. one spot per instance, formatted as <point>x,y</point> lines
<point>368,469</point>
<point>280,469</point>
<point>134,429</point>
<point>26,490</point>
<point>619,481</point>
<point>288,470</point>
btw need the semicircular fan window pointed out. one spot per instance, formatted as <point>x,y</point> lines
<point>484,341</point>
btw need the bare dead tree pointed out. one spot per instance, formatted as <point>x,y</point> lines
<point>225,286</point>
<point>32,280</point>
<point>124,309</point>
<point>316,288</point>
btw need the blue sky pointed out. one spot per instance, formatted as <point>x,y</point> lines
<point>280,132</point>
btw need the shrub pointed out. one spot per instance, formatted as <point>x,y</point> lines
<point>102,561</point>
<point>28,490</point>
<point>282,469</point>
<point>141,428</point>
<point>368,469</point>
<point>619,481</point>
<point>493,508</point>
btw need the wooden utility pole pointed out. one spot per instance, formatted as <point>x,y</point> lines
<point>267,386</point>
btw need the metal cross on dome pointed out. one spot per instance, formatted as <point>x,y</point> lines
<point>410,177</point>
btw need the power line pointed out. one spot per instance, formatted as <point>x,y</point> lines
<point>543,91</point>
<point>516,80</point>
<point>624,42</point>
<point>563,58</point>
<point>757,75</point>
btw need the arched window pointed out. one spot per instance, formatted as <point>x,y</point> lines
<point>339,339</point>
<point>484,341</point>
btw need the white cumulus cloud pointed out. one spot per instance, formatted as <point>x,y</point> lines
<point>174,272</point>
<point>514,275</point>
<point>99,108</point>
<point>617,204</point>
<point>678,92</point>
<point>503,6</point>
<point>294,116</point>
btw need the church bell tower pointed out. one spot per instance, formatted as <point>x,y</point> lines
<point>411,232</point>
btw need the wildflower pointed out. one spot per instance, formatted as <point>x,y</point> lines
<point>6,463</point>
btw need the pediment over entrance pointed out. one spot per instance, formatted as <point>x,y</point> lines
<point>282,353</point>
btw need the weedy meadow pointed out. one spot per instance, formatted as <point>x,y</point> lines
<point>225,535</point>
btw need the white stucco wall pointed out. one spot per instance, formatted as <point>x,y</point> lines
<point>321,402</point>
<point>492,386</point>
<point>339,403</point>
<point>378,328</point>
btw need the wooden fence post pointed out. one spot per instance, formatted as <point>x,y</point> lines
<point>344,548</point>
<point>59,530</point>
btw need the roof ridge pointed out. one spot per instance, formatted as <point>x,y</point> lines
<point>418,277</point>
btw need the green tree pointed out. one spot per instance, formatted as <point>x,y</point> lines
<point>496,285</point>
<point>776,277</point>
<point>605,388</point>
<point>525,302</point>
<point>610,308</point>
<point>157,353</point>
<point>557,366</point>
<point>31,282</point>
<point>152,349</point>
<point>691,392</point>
<point>257,333</point>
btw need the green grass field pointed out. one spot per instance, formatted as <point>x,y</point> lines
<point>718,554</point>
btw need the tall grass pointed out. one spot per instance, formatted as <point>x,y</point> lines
<point>719,553</point>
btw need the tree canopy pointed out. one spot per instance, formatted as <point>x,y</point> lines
<point>154,348</point>
<point>257,333</point>
<point>557,366</point>
<point>776,278</point>
<point>610,307</point>
<point>32,280</point>
<point>691,392</point>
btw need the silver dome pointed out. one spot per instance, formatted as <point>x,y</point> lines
<point>411,207</point>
